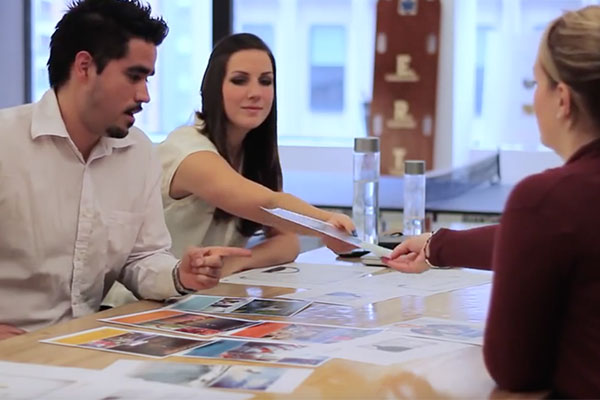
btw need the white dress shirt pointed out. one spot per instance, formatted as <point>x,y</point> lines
<point>191,220</point>
<point>70,227</point>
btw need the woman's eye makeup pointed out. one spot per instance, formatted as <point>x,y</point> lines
<point>238,80</point>
<point>243,79</point>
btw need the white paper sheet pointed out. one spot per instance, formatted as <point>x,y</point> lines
<point>34,381</point>
<point>442,329</point>
<point>372,289</point>
<point>110,387</point>
<point>427,283</point>
<point>314,224</point>
<point>390,347</point>
<point>327,229</point>
<point>231,377</point>
<point>300,275</point>
<point>352,293</point>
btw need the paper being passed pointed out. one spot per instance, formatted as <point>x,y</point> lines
<point>327,229</point>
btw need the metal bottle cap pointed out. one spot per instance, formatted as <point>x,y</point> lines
<point>366,144</point>
<point>414,167</point>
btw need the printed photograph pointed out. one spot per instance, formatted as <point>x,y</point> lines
<point>179,321</point>
<point>284,353</point>
<point>226,304</point>
<point>275,308</point>
<point>303,333</point>
<point>234,377</point>
<point>195,302</point>
<point>150,344</point>
<point>196,324</point>
<point>248,378</point>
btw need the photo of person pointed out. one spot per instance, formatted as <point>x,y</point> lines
<point>278,308</point>
<point>284,353</point>
<point>157,345</point>
<point>204,325</point>
<point>226,304</point>
<point>130,342</point>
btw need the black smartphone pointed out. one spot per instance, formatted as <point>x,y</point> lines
<point>354,253</point>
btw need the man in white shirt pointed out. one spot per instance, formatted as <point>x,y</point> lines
<point>80,202</point>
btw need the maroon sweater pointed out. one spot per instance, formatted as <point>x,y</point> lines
<point>543,327</point>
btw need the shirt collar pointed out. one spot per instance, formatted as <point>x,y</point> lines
<point>47,121</point>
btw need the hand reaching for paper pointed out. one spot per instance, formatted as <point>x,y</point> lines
<point>409,256</point>
<point>345,224</point>
<point>201,267</point>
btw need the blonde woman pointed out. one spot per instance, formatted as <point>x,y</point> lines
<point>543,328</point>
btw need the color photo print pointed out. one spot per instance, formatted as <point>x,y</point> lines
<point>182,322</point>
<point>128,341</point>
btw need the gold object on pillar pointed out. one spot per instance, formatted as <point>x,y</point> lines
<point>404,73</point>
<point>402,117</point>
<point>398,153</point>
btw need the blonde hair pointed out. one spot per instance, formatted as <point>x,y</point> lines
<point>570,53</point>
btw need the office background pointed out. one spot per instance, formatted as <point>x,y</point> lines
<point>325,51</point>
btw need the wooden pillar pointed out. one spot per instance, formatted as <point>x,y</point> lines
<point>405,80</point>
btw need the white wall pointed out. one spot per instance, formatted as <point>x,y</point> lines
<point>12,51</point>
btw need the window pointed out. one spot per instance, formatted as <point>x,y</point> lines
<point>507,37</point>
<point>182,58</point>
<point>327,60</point>
<point>263,31</point>
<point>324,52</point>
<point>482,33</point>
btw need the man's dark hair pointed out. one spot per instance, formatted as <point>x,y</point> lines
<point>261,155</point>
<point>103,28</point>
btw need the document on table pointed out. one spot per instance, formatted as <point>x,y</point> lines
<point>327,229</point>
<point>181,322</point>
<point>442,329</point>
<point>429,282</point>
<point>300,275</point>
<point>292,332</point>
<point>33,381</point>
<point>148,344</point>
<point>254,350</point>
<point>384,286</point>
<point>391,347</point>
<point>354,293</point>
<point>198,303</point>
<point>231,377</point>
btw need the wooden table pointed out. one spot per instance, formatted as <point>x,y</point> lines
<point>460,374</point>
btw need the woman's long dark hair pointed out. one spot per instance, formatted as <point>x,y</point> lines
<point>260,152</point>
